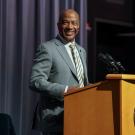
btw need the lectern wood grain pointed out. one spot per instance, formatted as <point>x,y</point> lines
<point>105,108</point>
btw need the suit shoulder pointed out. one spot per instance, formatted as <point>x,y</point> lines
<point>48,44</point>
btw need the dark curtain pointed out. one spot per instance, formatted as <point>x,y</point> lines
<point>23,25</point>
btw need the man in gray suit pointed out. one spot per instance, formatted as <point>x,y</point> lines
<point>54,73</point>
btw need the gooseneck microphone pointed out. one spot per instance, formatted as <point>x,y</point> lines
<point>117,64</point>
<point>121,68</point>
<point>112,65</point>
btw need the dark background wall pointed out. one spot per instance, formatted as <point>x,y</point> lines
<point>111,30</point>
<point>121,10</point>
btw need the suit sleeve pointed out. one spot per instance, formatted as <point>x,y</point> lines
<point>40,72</point>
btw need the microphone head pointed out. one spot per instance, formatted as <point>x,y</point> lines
<point>109,61</point>
<point>122,69</point>
<point>102,57</point>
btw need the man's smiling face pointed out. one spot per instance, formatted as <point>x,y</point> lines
<point>69,25</point>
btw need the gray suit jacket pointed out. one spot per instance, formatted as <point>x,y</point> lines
<point>52,71</point>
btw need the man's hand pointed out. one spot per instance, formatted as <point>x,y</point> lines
<point>72,88</point>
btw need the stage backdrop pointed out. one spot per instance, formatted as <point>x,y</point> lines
<point>24,24</point>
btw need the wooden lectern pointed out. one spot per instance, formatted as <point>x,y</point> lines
<point>103,108</point>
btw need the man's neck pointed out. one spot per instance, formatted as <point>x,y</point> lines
<point>64,41</point>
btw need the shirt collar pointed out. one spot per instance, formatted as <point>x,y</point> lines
<point>65,42</point>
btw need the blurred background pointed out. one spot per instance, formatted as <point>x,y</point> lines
<point>107,33</point>
<point>111,30</point>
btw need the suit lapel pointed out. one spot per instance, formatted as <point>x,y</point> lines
<point>62,50</point>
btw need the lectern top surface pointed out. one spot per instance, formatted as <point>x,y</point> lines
<point>121,76</point>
